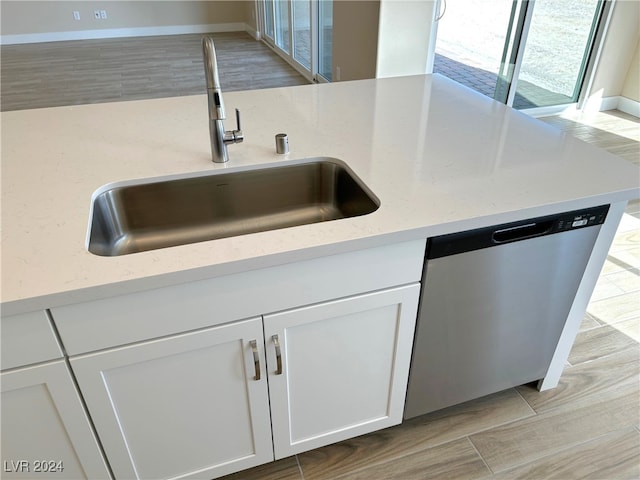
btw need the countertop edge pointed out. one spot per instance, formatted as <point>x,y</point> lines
<point>168,279</point>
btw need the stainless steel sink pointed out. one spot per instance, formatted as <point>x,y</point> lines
<point>157,214</point>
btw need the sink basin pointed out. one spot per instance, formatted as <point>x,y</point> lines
<point>156,214</point>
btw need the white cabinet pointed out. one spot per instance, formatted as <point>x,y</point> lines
<point>170,375</point>
<point>187,406</point>
<point>45,431</point>
<point>197,405</point>
<point>343,368</point>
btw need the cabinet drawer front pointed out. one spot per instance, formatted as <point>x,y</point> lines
<point>144,315</point>
<point>27,338</point>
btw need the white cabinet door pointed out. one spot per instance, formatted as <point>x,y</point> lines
<point>344,368</point>
<point>187,406</point>
<point>45,431</point>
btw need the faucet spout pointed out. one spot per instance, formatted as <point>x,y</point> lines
<point>218,136</point>
<point>214,92</point>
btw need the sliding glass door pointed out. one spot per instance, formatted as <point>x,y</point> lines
<point>471,37</point>
<point>301,32</point>
<point>525,53</point>
<point>559,42</point>
<point>276,24</point>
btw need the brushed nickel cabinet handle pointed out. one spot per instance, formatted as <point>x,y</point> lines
<point>256,358</point>
<point>276,342</point>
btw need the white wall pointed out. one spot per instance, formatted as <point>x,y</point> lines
<point>40,21</point>
<point>355,35</point>
<point>631,87</point>
<point>618,49</point>
<point>405,37</point>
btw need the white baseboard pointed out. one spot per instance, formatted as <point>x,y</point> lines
<point>599,104</point>
<point>629,106</point>
<point>593,105</point>
<point>125,32</point>
<point>253,32</point>
<point>548,111</point>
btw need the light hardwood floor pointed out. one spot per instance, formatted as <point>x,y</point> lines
<point>110,70</point>
<point>588,427</point>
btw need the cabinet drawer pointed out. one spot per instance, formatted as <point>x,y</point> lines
<point>140,316</point>
<point>27,338</point>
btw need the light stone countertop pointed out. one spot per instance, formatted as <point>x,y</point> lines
<point>439,157</point>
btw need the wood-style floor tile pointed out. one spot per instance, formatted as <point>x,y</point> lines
<point>629,257</point>
<point>115,69</point>
<point>605,288</point>
<point>612,130</point>
<point>631,328</point>
<point>628,281</point>
<point>285,469</point>
<point>611,266</point>
<point>470,417</point>
<point>598,342</point>
<point>625,240</point>
<point>524,441</point>
<point>602,378</point>
<point>588,322</point>
<point>456,460</point>
<point>613,456</point>
<point>414,436</point>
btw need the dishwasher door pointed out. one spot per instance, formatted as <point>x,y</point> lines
<point>491,316</point>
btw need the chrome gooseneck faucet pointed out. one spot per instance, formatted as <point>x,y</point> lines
<point>219,137</point>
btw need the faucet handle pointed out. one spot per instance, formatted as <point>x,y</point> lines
<point>237,133</point>
<point>234,136</point>
<point>238,120</point>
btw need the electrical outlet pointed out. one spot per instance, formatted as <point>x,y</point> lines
<point>76,15</point>
<point>103,14</point>
<point>96,14</point>
<point>337,73</point>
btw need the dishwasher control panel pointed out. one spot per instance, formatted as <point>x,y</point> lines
<point>582,218</point>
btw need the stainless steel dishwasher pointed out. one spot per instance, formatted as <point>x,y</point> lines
<point>493,304</point>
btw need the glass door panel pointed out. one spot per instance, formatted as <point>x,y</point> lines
<point>282,24</point>
<point>302,32</point>
<point>557,49</point>
<point>471,40</point>
<point>511,51</point>
<point>269,20</point>
<point>325,38</point>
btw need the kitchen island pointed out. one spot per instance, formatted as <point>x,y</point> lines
<point>439,158</point>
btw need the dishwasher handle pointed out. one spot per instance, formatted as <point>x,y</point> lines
<point>521,232</point>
